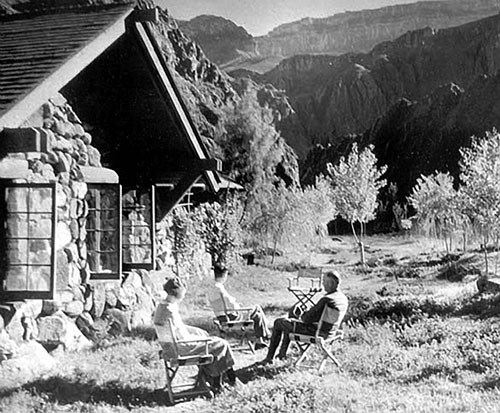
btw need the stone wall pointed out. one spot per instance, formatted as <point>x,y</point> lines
<point>82,311</point>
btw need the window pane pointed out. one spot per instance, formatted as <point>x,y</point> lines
<point>109,219</point>
<point>137,254</point>
<point>91,198</point>
<point>136,227</point>
<point>17,251</point>
<point>17,199</point>
<point>17,278</point>
<point>39,279</point>
<point>40,199</point>
<point>108,241</point>
<point>28,232</point>
<point>40,226</point>
<point>102,224</point>
<point>109,200</point>
<point>109,262</point>
<point>17,225</point>
<point>40,252</point>
<point>91,240</point>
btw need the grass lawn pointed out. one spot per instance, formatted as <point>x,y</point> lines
<point>419,338</point>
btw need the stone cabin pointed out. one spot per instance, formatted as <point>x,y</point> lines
<point>96,148</point>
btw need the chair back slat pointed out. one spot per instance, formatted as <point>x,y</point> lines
<point>164,329</point>
<point>330,319</point>
<point>307,278</point>
<point>218,303</point>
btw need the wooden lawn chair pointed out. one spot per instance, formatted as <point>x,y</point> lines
<point>241,327</point>
<point>176,359</point>
<point>306,342</point>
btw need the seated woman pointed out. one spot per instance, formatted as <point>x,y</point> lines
<point>169,310</point>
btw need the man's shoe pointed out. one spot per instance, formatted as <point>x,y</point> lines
<point>265,362</point>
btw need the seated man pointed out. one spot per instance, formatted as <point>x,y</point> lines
<point>334,298</point>
<point>222,304</point>
<point>219,348</point>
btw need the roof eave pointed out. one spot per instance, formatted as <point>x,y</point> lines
<point>146,38</point>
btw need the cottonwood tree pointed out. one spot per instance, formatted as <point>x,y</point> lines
<point>251,146</point>
<point>356,181</point>
<point>439,207</point>
<point>480,174</point>
<point>292,218</point>
<point>252,150</point>
<point>218,225</point>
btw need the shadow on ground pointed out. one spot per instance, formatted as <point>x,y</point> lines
<point>67,391</point>
<point>256,370</point>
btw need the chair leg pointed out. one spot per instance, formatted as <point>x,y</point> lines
<point>251,346</point>
<point>171,372</point>
<point>328,355</point>
<point>305,350</point>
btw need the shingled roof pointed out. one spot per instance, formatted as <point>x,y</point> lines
<point>40,53</point>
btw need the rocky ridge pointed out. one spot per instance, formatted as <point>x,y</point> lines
<point>350,32</point>
<point>423,136</point>
<point>219,38</point>
<point>336,96</point>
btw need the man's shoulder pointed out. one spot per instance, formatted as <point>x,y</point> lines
<point>337,296</point>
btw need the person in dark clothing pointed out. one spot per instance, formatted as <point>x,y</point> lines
<point>334,298</point>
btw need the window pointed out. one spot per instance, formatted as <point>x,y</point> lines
<point>103,231</point>
<point>28,235</point>
<point>138,231</point>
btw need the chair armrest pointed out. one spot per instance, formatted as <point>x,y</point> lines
<point>296,321</point>
<point>196,340</point>
<point>239,310</point>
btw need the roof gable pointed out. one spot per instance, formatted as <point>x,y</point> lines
<point>41,55</point>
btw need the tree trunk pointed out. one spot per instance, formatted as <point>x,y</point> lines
<point>486,259</point>
<point>362,252</point>
<point>274,251</point>
<point>359,241</point>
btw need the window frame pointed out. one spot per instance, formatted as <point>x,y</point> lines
<point>107,276</point>
<point>17,295</point>
<point>127,266</point>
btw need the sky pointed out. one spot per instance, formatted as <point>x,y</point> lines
<point>258,17</point>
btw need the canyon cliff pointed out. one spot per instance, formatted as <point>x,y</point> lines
<point>232,48</point>
<point>336,96</point>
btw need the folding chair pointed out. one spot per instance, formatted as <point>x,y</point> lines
<point>306,342</point>
<point>241,327</point>
<point>307,283</point>
<point>174,359</point>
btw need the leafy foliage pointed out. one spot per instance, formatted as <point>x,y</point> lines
<point>276,215</point>
<point>251,146</point>
<point>185,243</point>
<point>218,225</point>
<point>439,206</point>
<point>480,174</point>
<point>356,181</point>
